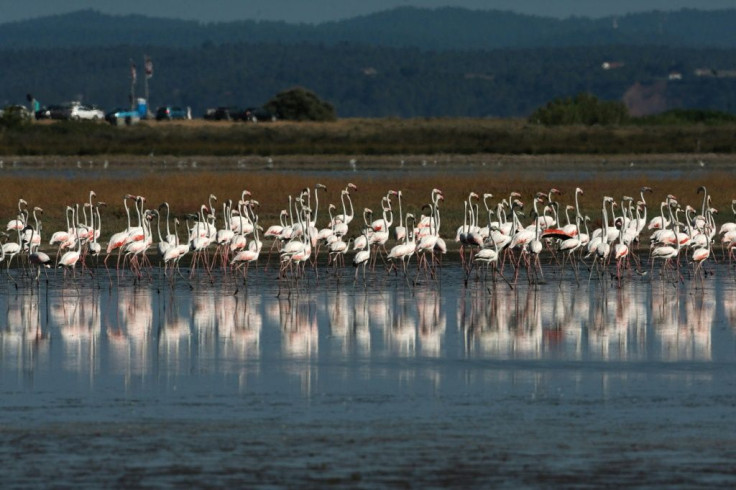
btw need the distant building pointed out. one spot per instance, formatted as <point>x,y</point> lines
<point>612,65</point>
<point>713,73</point>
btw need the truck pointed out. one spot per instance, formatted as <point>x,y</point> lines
<point>120,116</point>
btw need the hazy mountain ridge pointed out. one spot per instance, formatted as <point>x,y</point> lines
<point>446,28</point>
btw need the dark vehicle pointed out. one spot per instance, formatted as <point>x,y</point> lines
<point>43,113</point>
<point>56,111</point>
<point>167,113</point>
<point>119,116</point>
<point>223,114</point>
<point>258,114</point>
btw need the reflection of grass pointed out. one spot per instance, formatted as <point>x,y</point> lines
<point>186,191</point>
<point>363,137</point>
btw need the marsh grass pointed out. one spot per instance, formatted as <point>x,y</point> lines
<point>386,136</point>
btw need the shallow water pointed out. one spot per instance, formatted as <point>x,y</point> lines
<point>389,385</point>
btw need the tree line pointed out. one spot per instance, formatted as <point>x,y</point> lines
<point>364,81</point>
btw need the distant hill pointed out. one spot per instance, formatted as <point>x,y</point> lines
<point>427,29</point>
<point>368,81</point>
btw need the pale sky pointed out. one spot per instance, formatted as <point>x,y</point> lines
<point>315,11</point>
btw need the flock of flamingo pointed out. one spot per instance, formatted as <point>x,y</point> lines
<point>508,237</point>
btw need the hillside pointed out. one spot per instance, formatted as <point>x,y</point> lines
<point>427,29</point>
<point>403,63</point>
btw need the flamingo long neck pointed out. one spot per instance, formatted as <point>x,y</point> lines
<point>437,220</point>
<point>138,211</point>
<point>352,211</point>
<point>168,231</point>
<point>705,199</point>
<point>344,209</point>
<point>75,220</point>
<point>127,211</point>
<point>401,216</point>
<point>254,219</point>
<point>97,231</point>
<point>158,228</point>
<point>604,236</point>
<point>316,205</point>
<point>291,216</point>
<point>661,211</point>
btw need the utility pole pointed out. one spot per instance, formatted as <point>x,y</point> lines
<point>148,68</point>
<point>133,79</point>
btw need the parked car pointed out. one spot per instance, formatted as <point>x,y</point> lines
<point>78,111</point>
<point>57,111</point>
<point>43,113</point>
<point>223,114</point>
<point>258,114</point>
<point>121,116</point>
<point>173,112</point>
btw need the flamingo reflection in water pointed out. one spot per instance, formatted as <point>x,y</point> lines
<point>432,322</point>
<point>23,341</point>
<point>683,324</point>
<point>130,332</point>
<point>299,332</point>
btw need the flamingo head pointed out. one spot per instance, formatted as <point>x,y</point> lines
<point>647,189</point>
<point>320,186</point>
<point>554,190</point>
<point>578,190</point>
<point>37,209</point>
<point>713,210</point>
<point>352,186</point>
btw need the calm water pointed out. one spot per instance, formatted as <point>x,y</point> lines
<point>436,385</point>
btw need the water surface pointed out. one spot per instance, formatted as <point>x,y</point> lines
<point>388,385</point>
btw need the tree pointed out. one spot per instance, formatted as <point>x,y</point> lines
<point>299,104</point>
<point>581,109</point>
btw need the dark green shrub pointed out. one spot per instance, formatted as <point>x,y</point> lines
<point>583,109</point>
<point>299,104</point>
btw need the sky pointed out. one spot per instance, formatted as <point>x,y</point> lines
<point>316,11</point>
